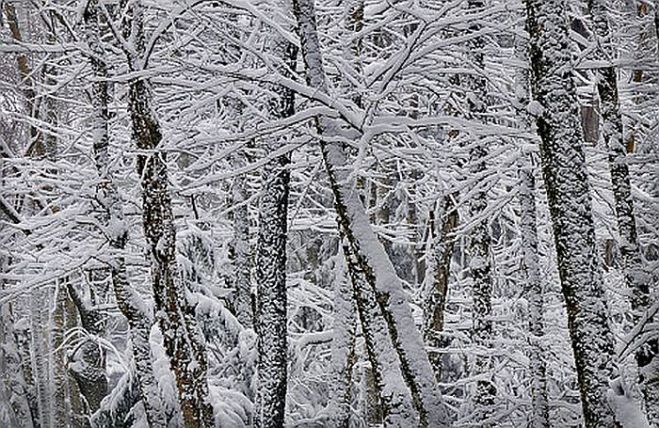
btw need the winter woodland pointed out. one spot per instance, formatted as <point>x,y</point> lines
<point>329,213</point>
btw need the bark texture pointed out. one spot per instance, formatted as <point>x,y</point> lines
<point>87,362</point>
<point>568,192</point>
<point>183,341</point>
<point>442,245</point>
<point>480,263</point>
<point>39,317</point>
<point>115,409</point>
<point>535,296</point>
<point>534,289</point>
<point>271,268</point>
<point>394,400</point>
<point>61,409</point>
<point>14,389</point>
<point>130,304</point>
<point>343,354</point>
<point>271,295</point>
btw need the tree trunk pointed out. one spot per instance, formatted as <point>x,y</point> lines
<point>23,345</point>
<point>271,295</point>
<point>182,339</point>
<point>394,400</point>
<point>14,390</point>
<point>637,278</point>
<point>271,267</point>
<point>390,402</point>
<point>78,410</point>
<point>534,290</point>
<point>114,411</point>
<point>343,354</point>
<point>568,192</point>
<point>61,411</point>
<point>441,253</point>
<point>87,362</point>
<point>364,245</point>
<point>534,295</point>
<point>39,320</point>
<point>480,263</point>
<point>240,254</point>
<point>129,303</point>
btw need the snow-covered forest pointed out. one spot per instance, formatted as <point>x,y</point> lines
<point>329,213</point>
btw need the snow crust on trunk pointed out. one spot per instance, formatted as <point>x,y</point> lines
<point>568,192</point>
<point>354,223</point>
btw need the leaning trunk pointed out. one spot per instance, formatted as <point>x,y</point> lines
<point>374,264</point>
<point>395,401</point>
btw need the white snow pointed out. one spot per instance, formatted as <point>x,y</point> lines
<point>534,108</point>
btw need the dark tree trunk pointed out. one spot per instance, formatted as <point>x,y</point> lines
<point>441,252</point>
<point>129,303</point>
<point>568,192</point>
<point>183,341</point>
<point>271,269</point>
<point>271,295</point>
<point>534,289</point>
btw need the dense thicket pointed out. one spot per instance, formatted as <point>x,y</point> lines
<point>324,213</point>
